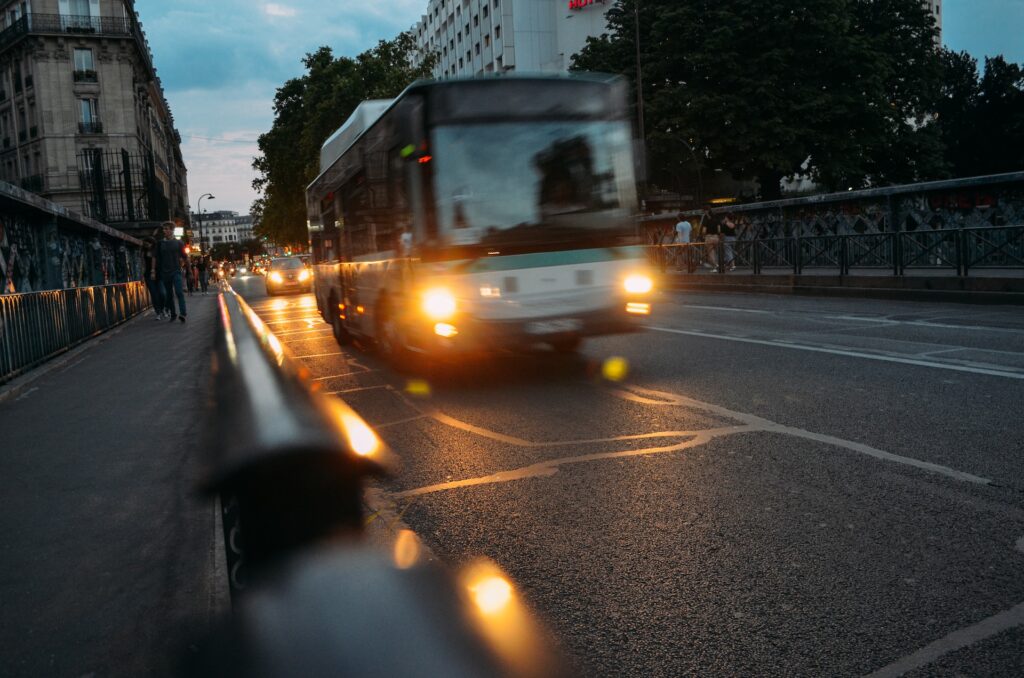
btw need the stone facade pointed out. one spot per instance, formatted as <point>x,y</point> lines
<point>79,94</point>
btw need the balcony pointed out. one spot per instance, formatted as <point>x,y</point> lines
<point>33,183</point>
<point>78,25</point>
<point>85,76</point>
<point>93,127</point>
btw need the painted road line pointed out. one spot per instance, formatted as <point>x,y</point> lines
<point>957,640</point>
<point>846,353</point>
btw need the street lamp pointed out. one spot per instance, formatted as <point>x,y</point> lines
<point>640,100</point>
<point>199,213</point>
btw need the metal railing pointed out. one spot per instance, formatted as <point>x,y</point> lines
<point>308,596</point>
<point>36,326</point>
<point>959,251</point>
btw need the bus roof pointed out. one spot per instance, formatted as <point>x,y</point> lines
<point>368,112</point>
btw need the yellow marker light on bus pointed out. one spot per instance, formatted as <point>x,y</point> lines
<point>637,308</point>
<point>439,304</point>
<point>303,276</point>
<point>445,330</point>
<point>275,277</point>
<point>638,284</point>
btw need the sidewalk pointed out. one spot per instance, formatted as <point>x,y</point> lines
<point>108,558</point>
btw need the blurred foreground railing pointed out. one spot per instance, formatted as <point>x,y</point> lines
<point>309,597</point>
<point>961,252</point>
<point>36,326</point>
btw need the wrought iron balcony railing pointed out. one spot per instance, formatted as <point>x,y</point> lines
<point>57,23</point>
<point>94,127</point>
<point>86,75</point>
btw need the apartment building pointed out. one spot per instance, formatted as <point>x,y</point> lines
<point>223,226</point>
<point>83,117</point>
<point>492,36</point>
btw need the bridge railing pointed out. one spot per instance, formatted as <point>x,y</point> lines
<point>37,326</point>
<point>957,251</point>
<point>309,597</point>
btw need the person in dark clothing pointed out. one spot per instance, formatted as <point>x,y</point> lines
<point>204,273</point>
<point>156,295</point>
<point>170,256</point>
<point>728,231</point>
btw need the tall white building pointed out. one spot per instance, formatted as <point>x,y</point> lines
<point>935,7</point>
<point>487,36</point>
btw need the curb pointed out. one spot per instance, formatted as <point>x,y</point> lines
<point>887,293</point>
<point>18,385</point>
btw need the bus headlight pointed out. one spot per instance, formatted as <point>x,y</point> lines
<point>439,304</point>
<point>275,277</point>
<point>638,284</point>
<point>303,275</point>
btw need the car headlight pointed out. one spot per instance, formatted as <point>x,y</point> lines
<point>275,277</point>
<point>439,304</point>
<point>638,284</point>
<point>303,276</point>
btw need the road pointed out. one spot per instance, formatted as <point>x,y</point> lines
<point>779,486</point>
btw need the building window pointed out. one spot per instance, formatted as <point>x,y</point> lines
<point>487,41</point>
<point>460,63</point>
<point>89,120</point>
<point>485,11</point>
<point>476,19</point>
<point>83,60</point>
<point>476,48</point>
<point>497,32</point>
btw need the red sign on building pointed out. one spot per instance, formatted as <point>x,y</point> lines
<point>580,4</point>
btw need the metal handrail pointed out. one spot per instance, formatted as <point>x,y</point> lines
<point>309,597</point>
<point>36,326</point>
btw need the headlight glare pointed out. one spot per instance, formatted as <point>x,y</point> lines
<point>638,284</point>
<point>439,304</point>
<point>275,277</point>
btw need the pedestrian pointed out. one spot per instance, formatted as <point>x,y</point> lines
<point>156,295</point>
<point>204,273</point>
<point>189,283</point>
<point>170,257</point>
<point>728,231</point>
<point>682,239</point>
<point>711,239</point>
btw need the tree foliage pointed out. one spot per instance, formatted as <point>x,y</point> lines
<point>310,108</point>
<point>981,116</point>
<point>839,89</point>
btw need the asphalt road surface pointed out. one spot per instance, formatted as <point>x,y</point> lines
<point>779,486</point>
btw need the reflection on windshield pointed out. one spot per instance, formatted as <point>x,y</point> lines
<point>531,181</point>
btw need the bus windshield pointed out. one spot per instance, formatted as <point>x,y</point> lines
<point>536,182</point>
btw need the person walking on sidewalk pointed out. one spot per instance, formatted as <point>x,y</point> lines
<point>171,256</point>
<point>156,294</point>
<point>204,273</point>
<point>683,230</point>
<point>728,231</point>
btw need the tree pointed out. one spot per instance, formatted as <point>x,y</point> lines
<point>310,108</point>
<point>760,88</point>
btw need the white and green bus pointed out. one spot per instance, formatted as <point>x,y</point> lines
<point>480,215</point>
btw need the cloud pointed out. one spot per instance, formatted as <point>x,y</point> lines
<point>273,9</point>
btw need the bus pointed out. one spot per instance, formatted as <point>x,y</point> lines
<point>481,215</point>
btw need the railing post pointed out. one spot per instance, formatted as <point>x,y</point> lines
<point>756,256</point>
<point>720,245</point>
<point>962,252</point>
<point>797,254</point>
<point>844,262</point>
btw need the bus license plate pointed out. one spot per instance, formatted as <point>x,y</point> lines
<point>553,326</point>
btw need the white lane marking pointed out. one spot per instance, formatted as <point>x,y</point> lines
<point>336,376</point>
<point>846,353</point>
<point>448,420</point>
<point>357,389</point>
<point>956,640</point>
<point>926,323</point>
<point>289,333</point>
<point>753,422</point>
<point>27,393</point>
<point>401,421</point>
<point>728,308</point>
<point>549,468</point>
<point>319,355</point>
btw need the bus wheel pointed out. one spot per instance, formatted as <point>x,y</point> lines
<point>341,335</point>
<point>567,345</point>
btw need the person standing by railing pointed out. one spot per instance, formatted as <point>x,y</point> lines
<point>156,295</point>
<point>171,256</point>
<point>683,230</point>
<point>728,231</point>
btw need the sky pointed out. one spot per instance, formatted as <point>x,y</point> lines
<point>220,62</point>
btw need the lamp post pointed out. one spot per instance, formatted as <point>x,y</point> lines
<point>640,101</point>
<point>199,213</point>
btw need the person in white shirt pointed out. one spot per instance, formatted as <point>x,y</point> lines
<point>683,231</point>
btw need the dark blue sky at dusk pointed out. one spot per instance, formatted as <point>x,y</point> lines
<point>221,61</point>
